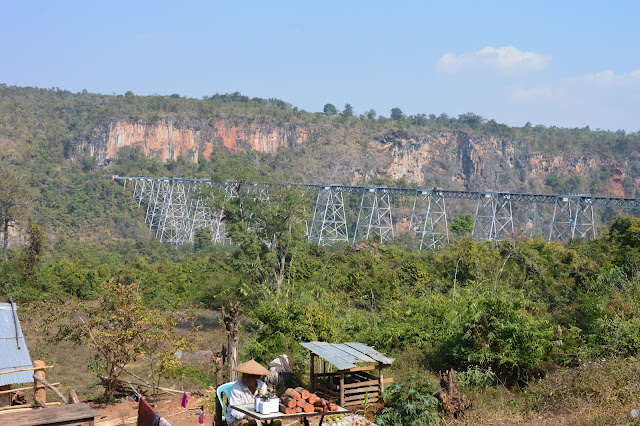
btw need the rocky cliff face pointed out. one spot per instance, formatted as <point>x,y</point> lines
<point>450,159</point>
<point>168,140</point>
<point>455,159</point>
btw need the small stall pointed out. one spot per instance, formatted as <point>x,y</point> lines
<point>342,372</point>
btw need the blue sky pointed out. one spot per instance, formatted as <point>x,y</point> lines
<point>569,63</point>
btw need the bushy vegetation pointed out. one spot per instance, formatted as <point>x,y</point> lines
<point>516,309</point>
<point>409,403</point>
<point>523,314</point>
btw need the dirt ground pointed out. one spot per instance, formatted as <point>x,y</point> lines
<point>125,412</point>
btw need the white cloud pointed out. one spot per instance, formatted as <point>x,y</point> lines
<point>602,99</point>
<point>506,60</point>
<point>609,79</point>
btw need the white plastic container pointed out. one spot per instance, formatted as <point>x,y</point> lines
<point>271,405</point>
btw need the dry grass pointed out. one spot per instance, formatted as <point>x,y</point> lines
<point>602,393</point>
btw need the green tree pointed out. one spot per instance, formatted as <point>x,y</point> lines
<point>347,111</point>
<point>330,110</point>
<point>419,120</point>
<point>202,239</point>
<point>371,114</point>
<point>90,162</point>
<point>119,329</point>
<point>33,253</point>
<point>267,230</point>
<point>470,119</point>
<point>462,225</point>
<point>552,180</point>
<point>501,333</point>
<point>396,114</point>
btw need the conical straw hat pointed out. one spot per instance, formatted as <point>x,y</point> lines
<point>251,367</point>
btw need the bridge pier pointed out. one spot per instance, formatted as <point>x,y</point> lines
<point>429,219</point>
<point>494,217</point>
<point>329,222</point>
<point>155,206</point>
<point>374,216</point>
<point>572,218</point>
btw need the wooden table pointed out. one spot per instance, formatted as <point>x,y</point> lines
<point>268,418</point>
<point>70,414</point>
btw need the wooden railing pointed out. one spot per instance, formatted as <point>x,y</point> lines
<point>39,388</point>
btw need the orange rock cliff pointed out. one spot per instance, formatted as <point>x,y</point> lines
<point>451,159</point>
<point>168,140</point>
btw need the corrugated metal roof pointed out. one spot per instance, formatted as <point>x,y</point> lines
<point>14,353</point>
<point>346,355</point>
<point>370,352</point>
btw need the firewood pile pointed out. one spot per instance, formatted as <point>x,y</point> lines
<point>18,398</point>
<point>300,400</point>
<point>123,388</point>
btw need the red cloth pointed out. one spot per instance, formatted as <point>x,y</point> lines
<point>145,413</point>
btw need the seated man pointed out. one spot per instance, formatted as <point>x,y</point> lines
<point>244,391</point>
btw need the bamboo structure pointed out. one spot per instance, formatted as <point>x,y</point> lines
<point>39,386</point>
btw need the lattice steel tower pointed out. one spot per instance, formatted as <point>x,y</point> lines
<point>429,219</point>
<point>329,222</point>
<point>374,216</point>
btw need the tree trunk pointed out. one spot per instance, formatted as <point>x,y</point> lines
<point>218,365</point>
<point>451,403</point>
<point>5,240</point>
<point>231,325</point>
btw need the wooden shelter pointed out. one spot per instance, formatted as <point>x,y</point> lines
<point>341,372</point>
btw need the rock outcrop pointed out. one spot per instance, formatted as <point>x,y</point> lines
<point>446,158</point>
<point>168,140</point>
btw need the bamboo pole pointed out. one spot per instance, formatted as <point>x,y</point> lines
<point>27,369</point>
<point>4,392</point>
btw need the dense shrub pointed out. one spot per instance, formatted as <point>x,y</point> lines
<point>409,403</point>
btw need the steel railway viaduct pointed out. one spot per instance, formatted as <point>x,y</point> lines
<point>176,211</point>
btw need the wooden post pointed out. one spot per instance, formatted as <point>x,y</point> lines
<point>218,417</point>
<point>312,377</point>
<point>381,380</point>
<point>341,389</point>
<point>73,397</point>
<point>39,391</point>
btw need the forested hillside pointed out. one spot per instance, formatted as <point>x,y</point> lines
<point>532,327</point>
<point>55,137</point>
